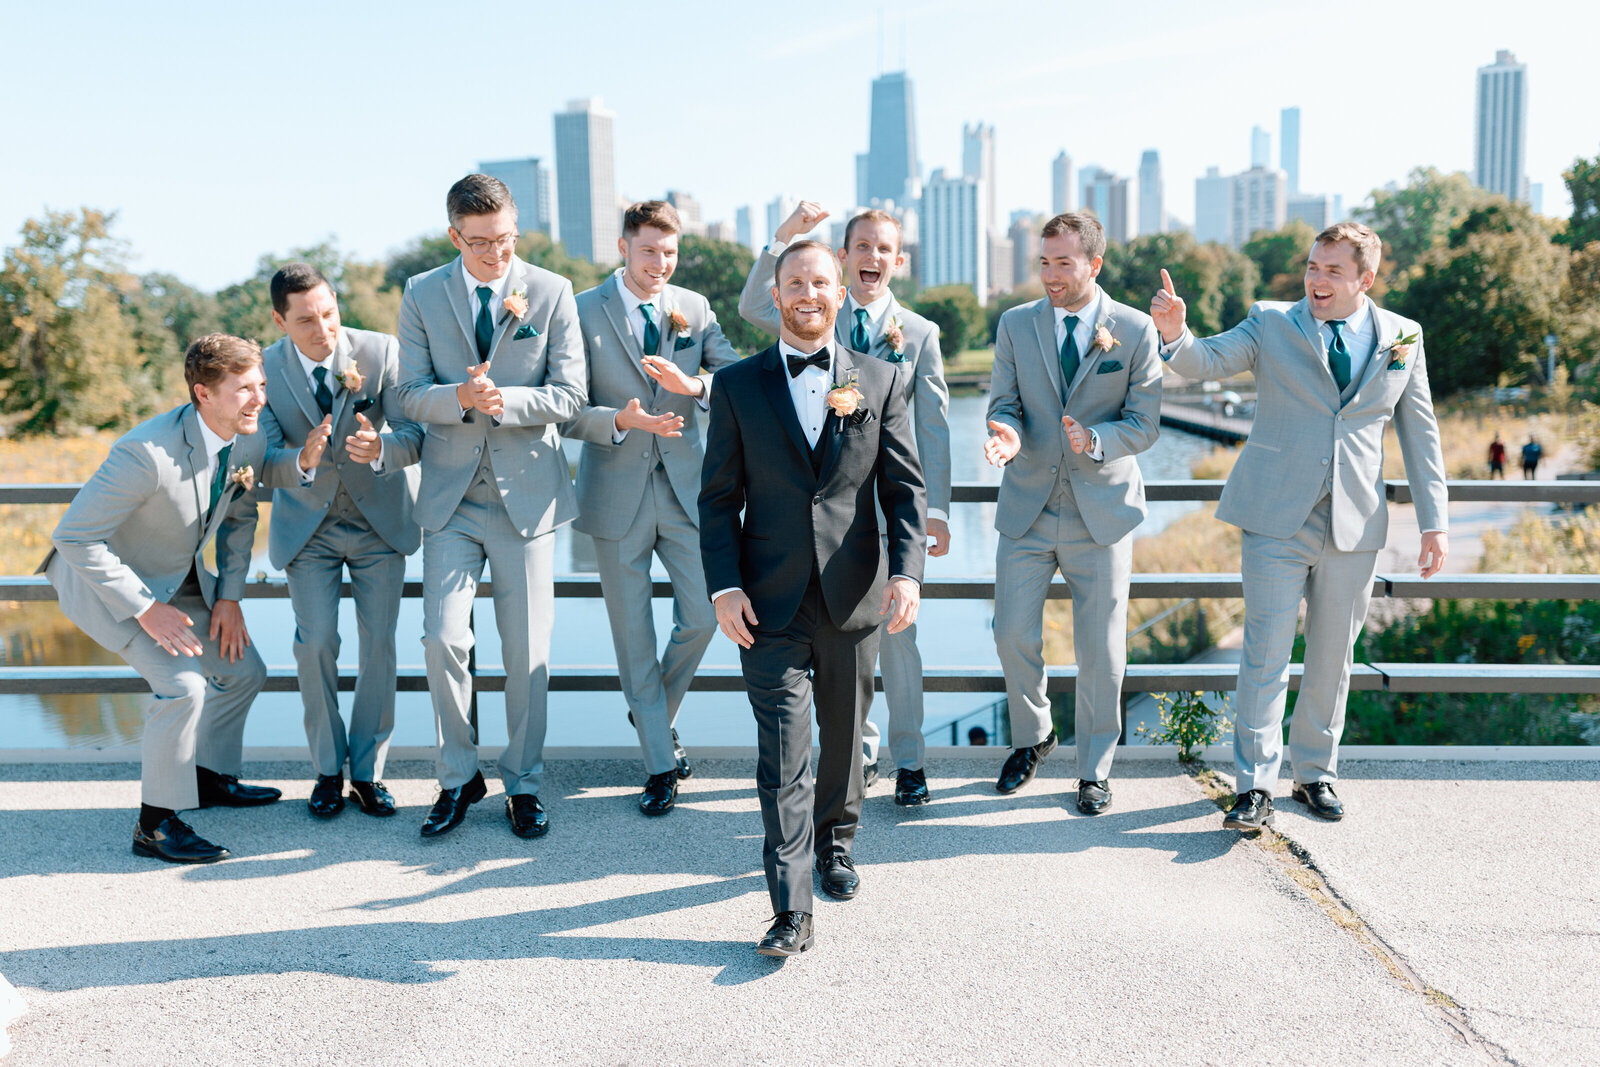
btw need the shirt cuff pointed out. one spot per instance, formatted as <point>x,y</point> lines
<point>306,476</point>
<point>776,246</point>
<point>1094,451</point>
<point>377,464</point>
<point>730,589</point>
<point>704,399</point>
<point>940,514</point>
<point>616,434</point>
<point>1166,350</point>
<point>907,577</point>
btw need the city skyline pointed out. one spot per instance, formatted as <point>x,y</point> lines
<point>129,131</point>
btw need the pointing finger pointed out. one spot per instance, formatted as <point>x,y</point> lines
<point>1166,283</point>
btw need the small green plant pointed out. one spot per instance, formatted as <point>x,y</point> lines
<point>1189,721</point>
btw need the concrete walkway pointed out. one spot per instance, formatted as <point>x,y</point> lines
<point>989,928</point>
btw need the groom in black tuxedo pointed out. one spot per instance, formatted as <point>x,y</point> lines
<point>806,442</point>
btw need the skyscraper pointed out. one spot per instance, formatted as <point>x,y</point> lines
<point>1260,147</point>
<point>1313,209</point>
<point>977,161</point>
<point>689,214</point>
<point>586,181</point>
<point>742,229</point>
<point>1289,146</point>
<point>1152,196</point>
<point>862,162</point>
<point>892,166</point>
<point>779,208</point>
<point>954,249</point>
<point>1024,234</point>
<point>1213,208</point>
<point>1106,194</point>
<point>1260,202</point>
<point>1500,138</point>
<point>1061,183</point>
<point>529,182</point>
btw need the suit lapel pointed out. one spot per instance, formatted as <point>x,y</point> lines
<point>1300,314</point>
<point>833,425</point>
<point>617,314</point>
<point>1383,326</point>
<point>1044,324</point>
<point>775,381</point>
<point>337,364</point>
<point>197,468</point>
<point>456,293</point>
<point>294,376</point>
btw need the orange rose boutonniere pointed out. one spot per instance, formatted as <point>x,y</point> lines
<point>352,378</point>
<point>243,477</point>
<point>517,303</point>
<point>1103,339</point>
<point>894,336</point>
<point>845,398</point>
<point>680,325</point>
<point>1399,349</point>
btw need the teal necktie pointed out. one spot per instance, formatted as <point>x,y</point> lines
<point>652,333</point>
<point>323,394</point>
<point>485,329</point>
<point>1339,355</point>
<point>858,334</point>
<point>1069,354</point>
<point>220,479</point>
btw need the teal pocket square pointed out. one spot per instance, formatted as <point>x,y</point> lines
<point>1110,366</point>
<point>684,341</point>
<point>526,331</point>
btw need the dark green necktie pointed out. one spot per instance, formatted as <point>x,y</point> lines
<point>1339,355</point>
<point>858,335</point>
<point>652,333</point>
<point>485,322</point>
<point>322,393</point>
<point>1069,353</point>
<point>219,479</point>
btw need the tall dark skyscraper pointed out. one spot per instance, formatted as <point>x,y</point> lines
<point>892,166</point>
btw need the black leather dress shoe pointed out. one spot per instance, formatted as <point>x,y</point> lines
<point>1321,799</point>
<point>660,793</point>
<point>452,805</point>
<point>1093,797</point>
<point>685,769</point>
<point>839,878</point>
<point>226,791</point>
<point>1251,811</point>
<point>790,934</point>
<point>1021,764</point>
<point>327,797</point>
<point>869,774</point>
<point>911,788</point>
<point>176,842</point>
<point>527,816</point>
<point>373,798</point>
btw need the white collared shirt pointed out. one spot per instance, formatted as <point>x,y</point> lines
<point>1358,338</point>
<point>310,366</point>
<point>631,302</point>
<point>497,297</point>
<point>809,391</point>
<point>214,446</point>
<point>875,314</point>
<point>1088,317</point>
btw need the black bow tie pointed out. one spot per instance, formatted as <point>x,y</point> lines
<point>818,359</point>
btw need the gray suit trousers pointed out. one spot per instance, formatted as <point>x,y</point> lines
<point>1337,587</point>
<point>198,711</point>
<point>654,687</point>
<point>522,570</point>
<point>1097,577</point>
<point>901,663</point>
<point>377,575</point>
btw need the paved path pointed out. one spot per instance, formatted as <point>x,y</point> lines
<point>989,928</point>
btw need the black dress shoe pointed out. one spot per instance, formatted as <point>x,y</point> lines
<point>452,805</point>
<point>527,816</point>
<point>1093,797</point>
<point>1251,811</point>
<point>327,797</point>
<point>373,797</point>
<point>176,842</point>
<point>869,774</point>
<point>1021,764</point>
<point>911,788</point>
<point>685,770</point>
<point>660,793</point>
<point>839,878</point>
<point>789,935</point>
<point>1321,799</point>
<point>226,791</point>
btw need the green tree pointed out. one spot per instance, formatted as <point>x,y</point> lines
<point>1280,259</point>
<point>957,313</point>
<point>70,358</point>
<point>1417,218</point>
<point>1024,293</point>
<point>1583,185</point>
<point>419,255</point>
<point>167,314</point>
<point>717,270</point>
<point>1217,283</point>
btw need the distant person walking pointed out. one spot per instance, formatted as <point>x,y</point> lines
<point>1497,457</point>
<point>1532,453</point>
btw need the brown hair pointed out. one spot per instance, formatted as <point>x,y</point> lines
<point>875,215</point>
<point>215,356</point>
<point>798,247</point>
<point>1091,235</point>
<point>1363,242</point>
<point>477,194</point>
<point>294,278</point>
<point>658,213</point>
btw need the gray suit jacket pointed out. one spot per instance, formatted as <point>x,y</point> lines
<point>537,364</point>
<point>138,525</point>
<point>611,476</point>
<point>925,389</point>
<point>384,500</point>
<point>1117,393</point>
<point>1302,429</point>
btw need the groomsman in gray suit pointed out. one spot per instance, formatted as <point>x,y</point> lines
<point>639,475</point>
<point>1331,371</point>
<point>491,362</point>
<point>128,566</point>
<point>343,499</point>
<point>874,322</point>
<point>1076,395</point>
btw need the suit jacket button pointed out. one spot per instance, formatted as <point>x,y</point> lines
<point>1052,470</point>
<point>1324,461</point>
<point>476,449</point>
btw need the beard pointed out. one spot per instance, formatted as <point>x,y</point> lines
<point>808,331</point>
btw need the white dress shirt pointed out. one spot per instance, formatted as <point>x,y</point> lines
<point>1083,337</point>
<point>497,293</point>
<point>875,315</point>
<point>310,366</point>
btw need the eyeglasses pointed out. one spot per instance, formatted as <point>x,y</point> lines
<point>482,245</point>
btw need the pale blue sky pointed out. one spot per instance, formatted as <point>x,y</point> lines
<point>222,132</point>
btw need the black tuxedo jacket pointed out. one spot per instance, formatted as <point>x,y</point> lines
<point>770,515</point>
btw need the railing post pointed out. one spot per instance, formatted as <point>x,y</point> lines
<point>472,671</point>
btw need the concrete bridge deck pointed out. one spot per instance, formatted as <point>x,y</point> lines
<point>1454,917</point>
